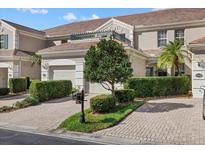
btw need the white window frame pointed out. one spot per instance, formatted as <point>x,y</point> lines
<point>159,38</point>
<point>179,37</point>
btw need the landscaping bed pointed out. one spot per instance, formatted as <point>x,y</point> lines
<point>97,121</point>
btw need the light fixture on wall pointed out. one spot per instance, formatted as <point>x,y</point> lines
<point>10,67</point>
<point>201,64</point>
<point>45,66</point>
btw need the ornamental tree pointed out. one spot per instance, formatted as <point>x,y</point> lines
<point>107,63</point>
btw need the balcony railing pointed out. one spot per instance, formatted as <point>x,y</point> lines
<point>101,34</point>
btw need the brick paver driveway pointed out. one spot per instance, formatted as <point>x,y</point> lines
<point>43,117</point>
<point>9,101</point>
<point>166,121</point>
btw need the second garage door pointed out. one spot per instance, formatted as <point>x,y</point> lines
<point>62,73</point>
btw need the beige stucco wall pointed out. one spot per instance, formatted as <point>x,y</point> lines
<point>193,34</point>
<point>28,70</point>
<point>138,65</point>
<point>147,40</point>
<point>8,32</point>
<point>28,43</point>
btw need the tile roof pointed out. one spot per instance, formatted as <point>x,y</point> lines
<point>15,52</point>
<point>153,52</point>
<point>198,41</point>
<point>24,28</point>
<point>149,18</point>
<point>70,46</point>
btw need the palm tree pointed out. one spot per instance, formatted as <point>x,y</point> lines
<point>172,56</point>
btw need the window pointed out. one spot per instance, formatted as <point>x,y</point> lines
<point>3,41</point>
<point>64,41</point>
<point>181,69</point>
<point>179,35</point>
<point>162,38</point>
<point>149,71</point>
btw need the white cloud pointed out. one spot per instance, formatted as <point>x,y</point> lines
<point>33,11</point>
<point>72,17</point>
<point>94,16</point>
<point>157,9</point>
<point>69,16</point>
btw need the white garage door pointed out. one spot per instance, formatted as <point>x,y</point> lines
<point>3,77</point>
<point>96,88</point>
<point>62,73</point>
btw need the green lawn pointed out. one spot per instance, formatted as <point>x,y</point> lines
<point>96,122</point>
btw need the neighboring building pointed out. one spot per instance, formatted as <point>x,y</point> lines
<point>63,47</point>
<point>17,44</point>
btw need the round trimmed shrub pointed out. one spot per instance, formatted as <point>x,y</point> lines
<point>102,103</point>
<point>125,95</point>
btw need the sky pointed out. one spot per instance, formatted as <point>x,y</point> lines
<point>43,18</point>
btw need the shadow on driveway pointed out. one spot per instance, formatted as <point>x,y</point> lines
<point>162,107</point>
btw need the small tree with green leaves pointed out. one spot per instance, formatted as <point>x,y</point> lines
<point>36,59</point>
<point>171,56</point>
<point>107,63</point>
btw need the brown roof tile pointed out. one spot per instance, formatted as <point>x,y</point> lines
<point>70,46</point>
<point>153,52</point>
<point>149,18</point>
<point>198,41</point>
<point>76,27</point>
<point>24,28</point>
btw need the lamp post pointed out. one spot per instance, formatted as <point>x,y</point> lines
<point>82,115</point>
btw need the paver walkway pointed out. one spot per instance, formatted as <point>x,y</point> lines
<point>166,121</point>
<point>43,117</point>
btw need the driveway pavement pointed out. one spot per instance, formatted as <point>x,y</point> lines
<point>9,101</point>
<point>166,121</point>
<point>43,117</point>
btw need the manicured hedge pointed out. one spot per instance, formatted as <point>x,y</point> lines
<point>159,86</point>
<point>28,101</point>
<point>4,91</point>
<point>102,103</point>
<point>125,95</point>
<point>17,85</point>
<point>46,90</point>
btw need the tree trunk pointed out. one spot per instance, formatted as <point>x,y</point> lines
<point>177,70</point>
<point>113,89</point>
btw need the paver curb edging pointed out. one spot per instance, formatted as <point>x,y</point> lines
<point>105,140</point>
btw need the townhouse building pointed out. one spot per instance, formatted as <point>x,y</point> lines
<point>143,35</point>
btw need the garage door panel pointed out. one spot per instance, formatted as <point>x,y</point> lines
<point>96,88</point>
<point>62,73</point>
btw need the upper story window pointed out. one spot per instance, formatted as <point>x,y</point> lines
<point>162,38</point>
<point>179,35</point>
<point>3,41</point>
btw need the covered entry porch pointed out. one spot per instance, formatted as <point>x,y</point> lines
<point>197,48</point>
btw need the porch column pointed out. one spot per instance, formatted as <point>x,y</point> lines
<point>44,71</point>
<point>15,69</point>
<point>79,75</point>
